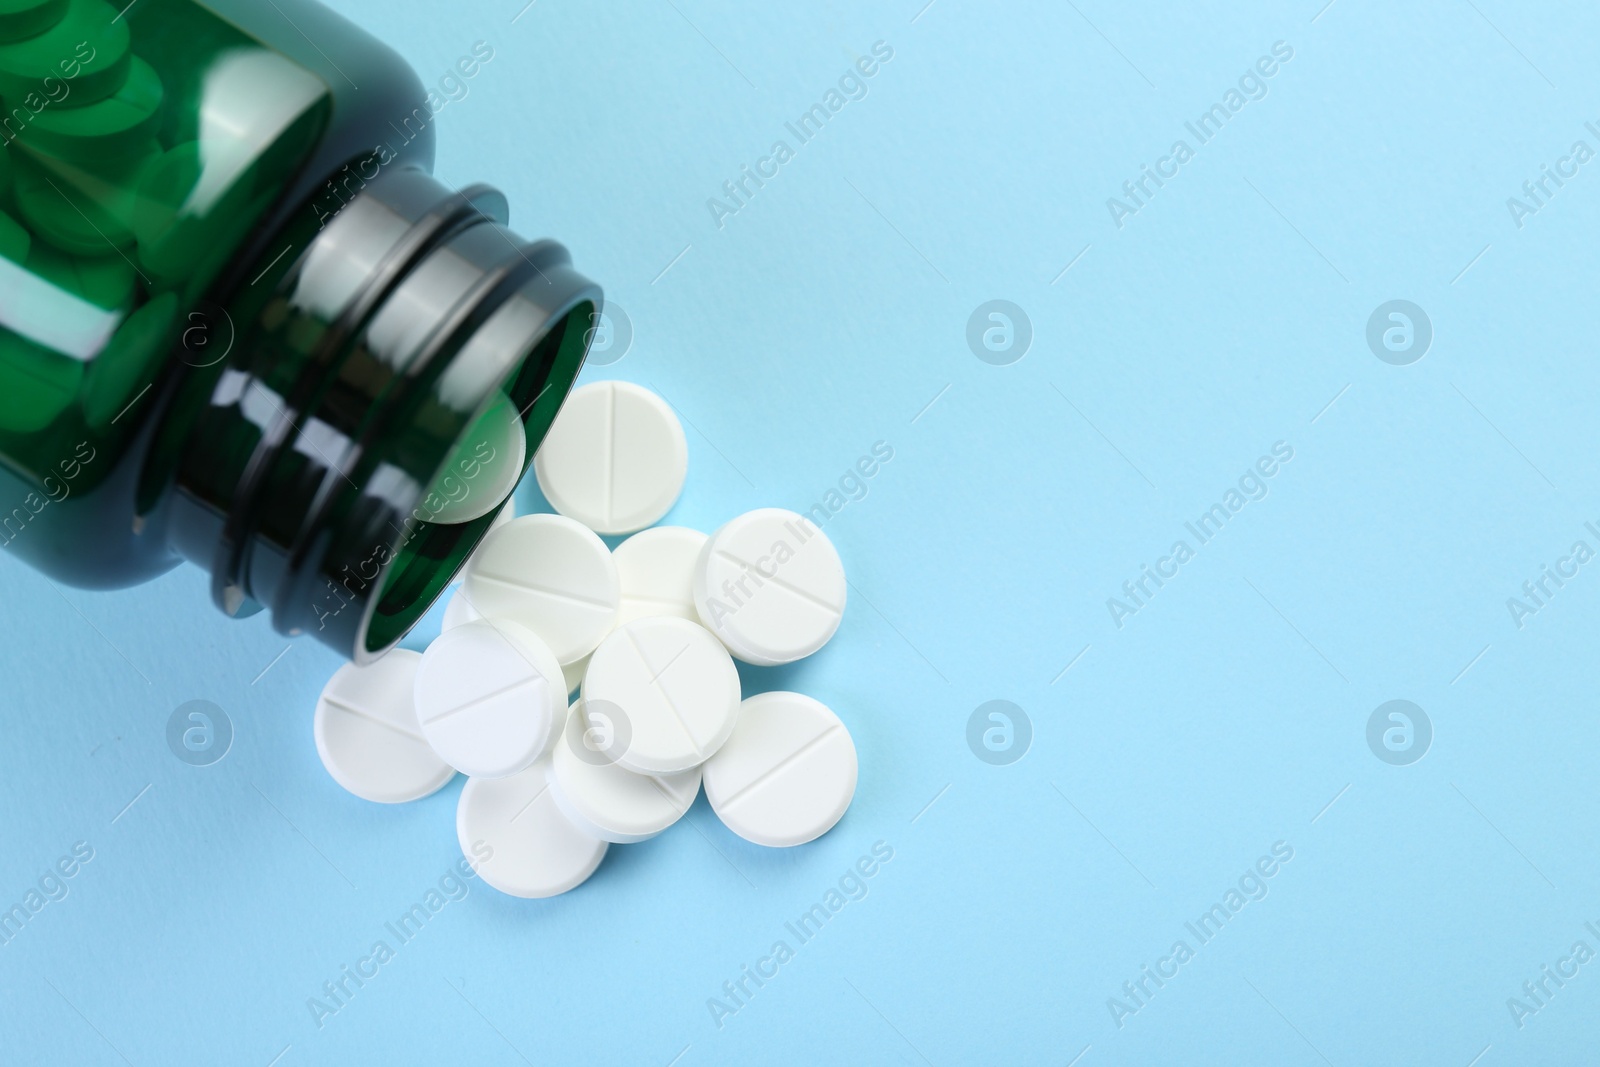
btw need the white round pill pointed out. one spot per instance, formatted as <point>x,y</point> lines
<point>488,695</point>
<point>786,775</point>
<point>605,801</point>
<point>368,735</point>
<point>520,843</point>
<point>770,585</point>
<point>671,689</point>
<point>483,467</point>
<point>656,570</point>
<point>507,513</point>
<point>458,611</point>
<point>552,575</point>
<point>614,459</point>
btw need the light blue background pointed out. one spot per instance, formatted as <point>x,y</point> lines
<point>1228,714</point>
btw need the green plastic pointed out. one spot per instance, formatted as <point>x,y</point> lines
<point>116,194</point>
<point>131,358</point>
<point>176,381</point>
<point>82,210</point>
<point>87,51</point>
<point>14,240</point>
<point>22,19</point>
<point>105,281</point>
<point>39,384</point>
<point>120,125</point>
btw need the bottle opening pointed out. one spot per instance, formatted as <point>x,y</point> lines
<point>380,407</point>
<point>477,478</point>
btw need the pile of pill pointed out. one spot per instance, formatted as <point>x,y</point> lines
<point>645,634</point>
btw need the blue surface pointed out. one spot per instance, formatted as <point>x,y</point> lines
<point>1168,754</point>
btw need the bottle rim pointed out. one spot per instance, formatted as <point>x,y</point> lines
<point>324,434</point>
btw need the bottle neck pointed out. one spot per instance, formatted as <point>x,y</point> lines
<point>319,471</point>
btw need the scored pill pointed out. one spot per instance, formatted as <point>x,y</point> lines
<point>615,458</point>
<point>606,801</point>
<point>368,736</point>
<point>518,840</point>
<point>656,569</point>
<point>507,513</point>
<point>770,585</point>
<point>787,774</point>
<point>674,688</point>
<point>488,696</point>
<point>552,575</point>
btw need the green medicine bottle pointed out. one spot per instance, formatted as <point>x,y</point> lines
<point>242,325</point>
